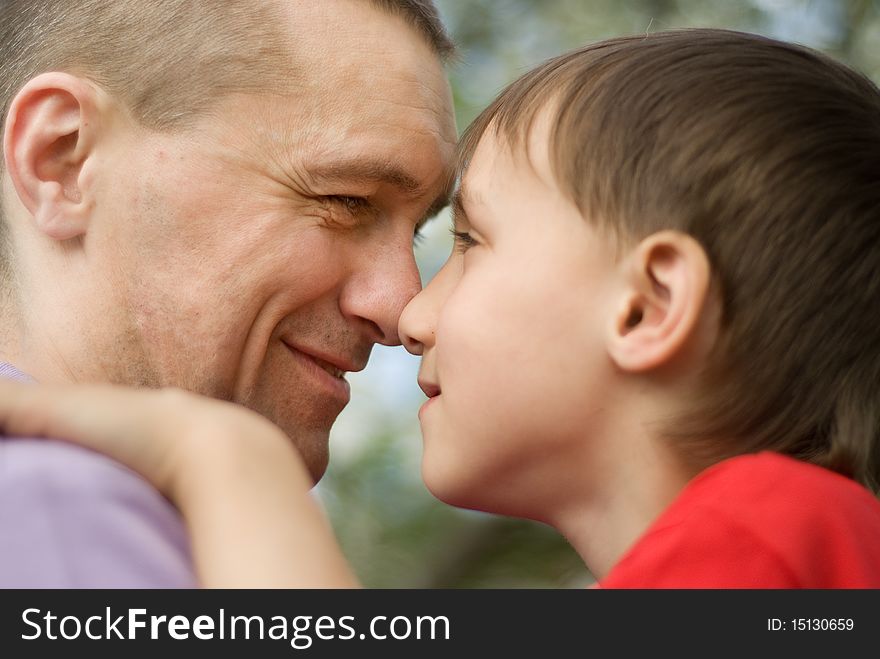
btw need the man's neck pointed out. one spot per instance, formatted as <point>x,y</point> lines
<point>33,352</point>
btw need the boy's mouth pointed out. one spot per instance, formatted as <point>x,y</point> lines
<point>431,390</point>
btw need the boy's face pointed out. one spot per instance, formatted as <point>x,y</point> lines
<point>511,333</point>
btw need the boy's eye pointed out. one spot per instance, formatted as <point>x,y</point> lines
<point>463,240</point>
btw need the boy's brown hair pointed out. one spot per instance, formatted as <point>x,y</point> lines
<point>769,155</point>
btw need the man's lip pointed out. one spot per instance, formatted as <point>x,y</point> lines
<point>429,388</point>
<point>329,361</point>
<point>329,382</point>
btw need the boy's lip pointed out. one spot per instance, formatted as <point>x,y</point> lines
<point>431,390</point>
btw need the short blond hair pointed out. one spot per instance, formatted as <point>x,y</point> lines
<point>166,60</point>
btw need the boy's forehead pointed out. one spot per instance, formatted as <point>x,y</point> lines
<point>480,175</point>
<point>499,156</point>
<point>503,177</point>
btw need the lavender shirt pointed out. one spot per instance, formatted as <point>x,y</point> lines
<point>71,518</point>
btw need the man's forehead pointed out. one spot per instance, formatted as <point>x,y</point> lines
<point>332,35</point>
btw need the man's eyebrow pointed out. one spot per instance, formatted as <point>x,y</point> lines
<point>372,171</point>
<point>441,202</point>
<point>366,171</point>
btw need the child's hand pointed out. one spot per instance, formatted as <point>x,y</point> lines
<point>152,431</point>
<point>237,478</point>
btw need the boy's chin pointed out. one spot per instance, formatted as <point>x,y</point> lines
<point>447,483</point>
<point>456,485</point>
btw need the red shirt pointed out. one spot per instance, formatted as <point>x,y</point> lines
<point>759,521</point>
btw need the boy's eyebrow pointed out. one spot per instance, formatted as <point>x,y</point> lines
<point>461,195</point>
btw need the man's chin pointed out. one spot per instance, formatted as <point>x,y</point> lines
<point>316,459</point>
<point>306,420</point>
<point>313,445</point>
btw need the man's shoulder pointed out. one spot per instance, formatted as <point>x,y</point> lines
<point>73,518</point>
<point>55,474</point>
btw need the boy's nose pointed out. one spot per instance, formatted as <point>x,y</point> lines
<point>418,322</point>
<point>416,326</point>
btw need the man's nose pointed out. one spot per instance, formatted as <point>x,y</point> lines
<point>379,289</point>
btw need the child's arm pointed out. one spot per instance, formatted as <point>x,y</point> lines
<point>236,478</point>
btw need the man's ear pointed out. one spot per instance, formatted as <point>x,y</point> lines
<point>665,287</point>
<point>50,135</point>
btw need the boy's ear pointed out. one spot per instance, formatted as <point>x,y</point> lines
<point>665,286</point>
<point>50,134</point>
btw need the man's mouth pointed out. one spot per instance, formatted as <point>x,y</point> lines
<point>336,365</point>
<point>335,371</point>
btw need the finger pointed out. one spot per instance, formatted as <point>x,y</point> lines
<point>56,411</point>
<point>28,410</point>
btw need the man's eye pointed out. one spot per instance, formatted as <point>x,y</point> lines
<point>463,240</point>
<point>418,236</point>
<point>346,212</point>
<point>353,205</point>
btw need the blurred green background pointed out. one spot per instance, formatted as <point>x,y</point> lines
<point>396,534</point>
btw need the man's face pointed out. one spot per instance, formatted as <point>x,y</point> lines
<point>260,254</point>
